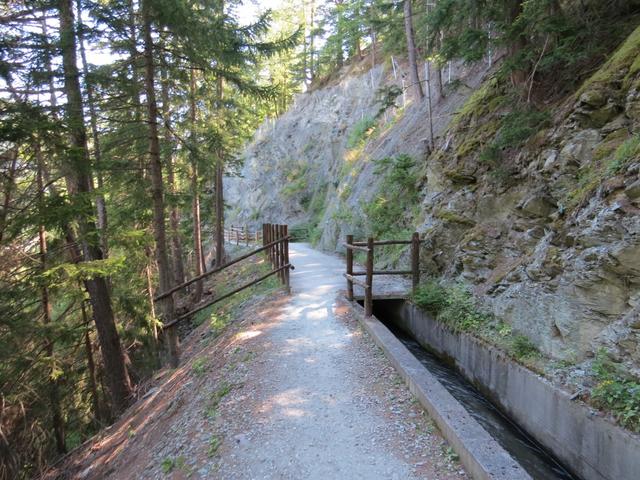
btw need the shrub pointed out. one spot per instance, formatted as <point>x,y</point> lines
<point>452,305</point>
<point>616,391</point>
<point>522,347</point>
<point>628,151</point>
<point>431,296</point>
<point>387,211</point>
<point>360,131</point>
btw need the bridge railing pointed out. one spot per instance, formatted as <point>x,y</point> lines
<point>242,234</point>
<point>275,243</point>
<point>368,248</point>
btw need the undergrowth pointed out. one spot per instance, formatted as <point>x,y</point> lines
<point>455,306</point>
<point>360,132</point>
<point>389,213</point>
<point>616,391</point>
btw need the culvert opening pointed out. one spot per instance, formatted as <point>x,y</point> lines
<point>532,456</point>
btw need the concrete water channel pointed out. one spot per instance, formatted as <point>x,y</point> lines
<point>524,426</point>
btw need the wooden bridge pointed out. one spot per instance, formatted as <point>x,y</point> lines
<point>368,247</point>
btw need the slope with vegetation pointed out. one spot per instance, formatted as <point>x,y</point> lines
<point>528,196</point>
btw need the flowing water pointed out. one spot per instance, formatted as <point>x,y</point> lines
<point>538,462</point>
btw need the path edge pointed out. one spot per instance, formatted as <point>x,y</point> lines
<point>482,456</point>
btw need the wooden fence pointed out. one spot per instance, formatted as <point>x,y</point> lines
<point>242,235</point>
<point>367,284</point>
<point>275,242</point>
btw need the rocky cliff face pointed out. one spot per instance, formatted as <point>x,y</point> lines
<point>538,213</point>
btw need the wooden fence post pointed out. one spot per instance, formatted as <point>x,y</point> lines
<point>349,268</point>
<point>281,252</point>
<point>264,237</point>
<point>273,248</point>
<point>368,291</point>
<point>246,236</point>
<point>237,235</point>
<point>287,283</point>
<point>415,260</point>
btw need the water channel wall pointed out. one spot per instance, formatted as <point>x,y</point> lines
<point>590,445</point>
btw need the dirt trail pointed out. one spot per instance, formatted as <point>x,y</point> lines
<point>293,390</point>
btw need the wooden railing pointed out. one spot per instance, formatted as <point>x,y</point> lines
<point>367,284</point>
<point>242,235</point>
<point>275,242</point>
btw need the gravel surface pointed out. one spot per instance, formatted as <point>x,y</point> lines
<point>294,389</point>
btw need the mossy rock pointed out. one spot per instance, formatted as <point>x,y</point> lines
<point>460,177</point>
<point>624,61</point>
<point>452,217</point>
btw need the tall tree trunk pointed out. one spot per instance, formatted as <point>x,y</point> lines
<point>177,255</point>
<point>219,194</point>
<point>8,188</point>
<point>411,50</point>
<point>517,44</point>
<point>195,191</point>
<point>101,206</point>
<point>312,67</point>
<point>157,187</point>
<point>54,389</point>
<point>91,371</point>
<point>79,176</point>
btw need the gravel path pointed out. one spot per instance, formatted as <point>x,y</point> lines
<point>291,389</point>
<point>318,413</point>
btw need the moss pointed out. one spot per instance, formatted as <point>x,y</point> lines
<point>449,216</point>
<point>479,103</point>
<point>625,58</point>
<point>475,139</point>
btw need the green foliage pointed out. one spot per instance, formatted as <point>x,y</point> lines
<point>386,96</point>
<point>626,153</point>
<point>431,296</point>
<point>215,398</point>
<point>452,305</point>
<point>360,132</point>
<point>167,465</point>
<point>616,391</point>
<point>214,445</point>
<point>297,180</point>
<point>522,347</point>
<point>199,366</point>
<point>388,212</point>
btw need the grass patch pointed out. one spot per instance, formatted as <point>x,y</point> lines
<point>397,195</point>
<point>214,445</point>
<point>616,391</point>
<point>452,305</point>
<point>362,130</point>
<point>215,398</point>
<point>628,151</point>
<point>199,366</point>
<point>522,348</point>
<point>455,306</point>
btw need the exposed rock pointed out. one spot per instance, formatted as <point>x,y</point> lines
<point>579,149</point>
<point>538,205</point>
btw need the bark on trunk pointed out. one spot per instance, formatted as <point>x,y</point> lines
<point>219,197</point>
<point>157,188</point>
<point>54,390</point>
<point>411,50</point>
<point>79,177</point>
<point>101,205</point>
<point>177,255</point>
<point>518,76</point>
<point>91,370</point>
<point>197,233</point>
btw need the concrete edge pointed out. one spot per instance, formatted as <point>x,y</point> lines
<point>482,456</point>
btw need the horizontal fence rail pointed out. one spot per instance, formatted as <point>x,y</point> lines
<point>242,235</point>
<point>275,244</point>
<point>368,247</point>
